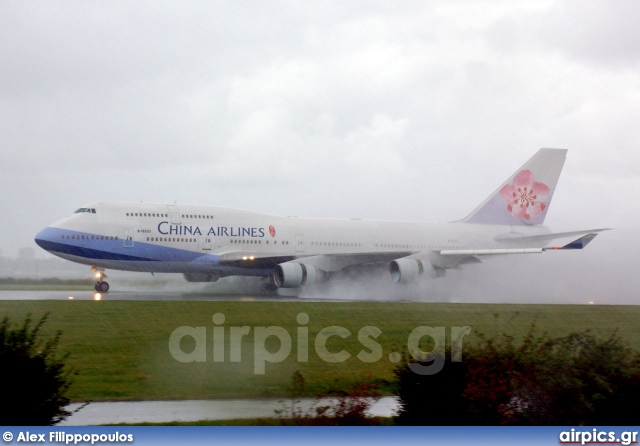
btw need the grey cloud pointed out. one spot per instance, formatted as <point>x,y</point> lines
<point>600,33</point>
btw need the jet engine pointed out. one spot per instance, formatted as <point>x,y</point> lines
<point>294,275</point>
<point>406,270</point>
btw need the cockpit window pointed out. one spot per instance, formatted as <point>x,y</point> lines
<point>87,210</point>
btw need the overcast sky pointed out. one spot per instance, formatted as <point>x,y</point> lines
<point>406,110</point>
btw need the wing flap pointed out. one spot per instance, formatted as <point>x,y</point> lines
<point>518,238</point>
<point>485,252</point>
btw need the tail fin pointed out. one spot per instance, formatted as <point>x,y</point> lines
<point>525,197</point>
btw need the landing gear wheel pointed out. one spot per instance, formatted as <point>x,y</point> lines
<point>102,287</point>
<point>269,285</point>
<point>97,287</point>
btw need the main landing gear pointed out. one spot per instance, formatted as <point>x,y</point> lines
<point>101,286</point>
<point>269,285</point>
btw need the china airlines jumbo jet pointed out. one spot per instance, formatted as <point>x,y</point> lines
<point>206,243</point>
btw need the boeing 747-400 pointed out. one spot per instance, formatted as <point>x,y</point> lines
<point>206,243</point>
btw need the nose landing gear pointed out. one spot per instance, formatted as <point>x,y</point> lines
<point>101,285</point>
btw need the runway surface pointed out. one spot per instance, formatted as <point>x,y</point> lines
<point>147,295</point>
<point>128,295</point>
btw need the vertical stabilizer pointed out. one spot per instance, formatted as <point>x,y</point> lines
<point>525,197</point>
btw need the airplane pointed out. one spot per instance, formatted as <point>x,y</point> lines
<point>206,243</point>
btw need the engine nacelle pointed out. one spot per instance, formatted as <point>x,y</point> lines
<point>294,275</point>
<point>407,270</point>
<point>201,277</point>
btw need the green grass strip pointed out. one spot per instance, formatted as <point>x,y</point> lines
<point>120,349</point>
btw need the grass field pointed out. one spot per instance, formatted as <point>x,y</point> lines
<point>46,284</point>
<point>120,349</point>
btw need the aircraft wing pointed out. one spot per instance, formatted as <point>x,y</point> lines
<point>532,244</point>
<point>446,258</point>
<point>404,265</point>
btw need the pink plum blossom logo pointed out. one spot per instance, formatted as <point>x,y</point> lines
<point>525,195</point>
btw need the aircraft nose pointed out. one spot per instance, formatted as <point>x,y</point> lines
<point>43,238</point>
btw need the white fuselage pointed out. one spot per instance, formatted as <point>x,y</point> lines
<point>204,239</point>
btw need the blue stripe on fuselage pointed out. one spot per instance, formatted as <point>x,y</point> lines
<point>51,239</point>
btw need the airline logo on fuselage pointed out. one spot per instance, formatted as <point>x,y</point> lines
<point>165,228</point>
